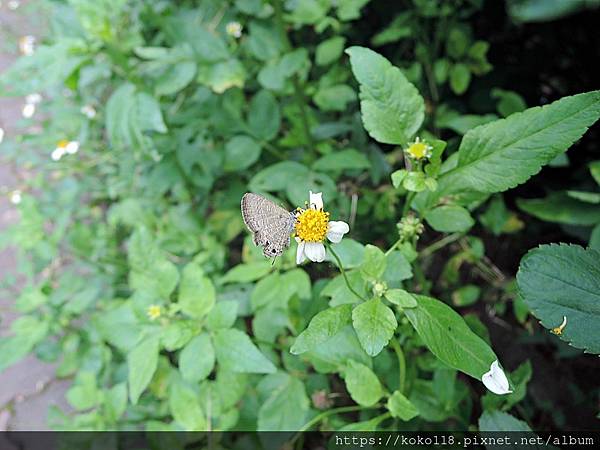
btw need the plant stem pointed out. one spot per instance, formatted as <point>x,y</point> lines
<point>409,199</point>
<point>343,272</point>
<point>401,364</point>
<point>331,412</point>
<point>432,248</point>
<point>298,88</point>
<point>393,247</point>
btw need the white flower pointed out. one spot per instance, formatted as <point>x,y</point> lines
<point>312,227</point>
<point>27,45</point>
<point>15,197</point>
<point>72,147</point>
<point>234,29</point>
<point>495,380</point>
<point>13,4</point>
<point>57,153</point>
<point>1,135</point>
<point>28,110</point>
<point>33,99</point>
<point>88,111</point>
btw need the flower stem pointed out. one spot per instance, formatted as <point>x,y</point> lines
<point>331,412</point>
<point>439,244</point>
<point>401,364</point>
<point>409,199</point>
<point>343,272</point>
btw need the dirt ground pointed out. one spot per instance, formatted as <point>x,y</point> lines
<point>27,388</point>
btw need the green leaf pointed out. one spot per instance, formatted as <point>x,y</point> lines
<point>501,421</point>
<point>244,273</point>
<point>196,292</point>
<point>264,117</point>
<point>401,298</point>
<point>595,238</point>
<point>392,109</point>
<point>460,77</point>
<point>329,50</point>
<point>342,160</point>
<point>197,359</point>
<point>287,405</point>
<point>236,353</point>
<point>504,153</point>
<point>276,177</point>
<point>142,361</point>
<point>449,219</point>
<point>322,327</point>
<point>595,170</point>
<point>401,407</point>
<point>240,153</point>
<point>449,338</point>
<point>115,402</point>
<point>84,394</point>
<point>185,407</point>
<point>330,356</point>
<point>222,315</point>
<point>177,77</point>
<point>149,114</point>
<point>334,98</point>
<point>559,207</point>
<point>509,102</point>
<point>466,295</point>
<point>362,384</point>
<point>558,281</point>
<point>374,264</point>
<point>375,324</point>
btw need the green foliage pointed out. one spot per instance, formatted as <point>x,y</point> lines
<point>558,281</point>
<point>140,283</point>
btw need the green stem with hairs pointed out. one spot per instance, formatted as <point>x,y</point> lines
<point>401,364</point>
<point>315,420</point>
<point>343,272</point>
<point>409,199</point>
<point>437,245</point>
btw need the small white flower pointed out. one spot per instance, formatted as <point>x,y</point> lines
<point>57,153</point>
<point>234,29</point>
<point>88,111</point>
<point>28,110</point>
<point>72,147</point>
<point>1,135</point>
<point>495,380</point>
<point>13,4</point>
<point>33,99</point>
<point>15,197</point>
<point>312,227</point>
<point>27,45</point>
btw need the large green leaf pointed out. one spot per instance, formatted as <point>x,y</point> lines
<point>392,109</point>
<point>236,353</point>
<point>362,384</point>
<point>287,405</point>
<point>558,281</point>
<point>142,361</point>
<point>401,407</point>
<point>559,207</point>
<point>197,359</point>
<point>196,292</point>
<point>504,153</point>
<point>449,338</point>
<point>184,404</point>
<point>501,421</point>
<point>375,324</point>
<point>323,326</point>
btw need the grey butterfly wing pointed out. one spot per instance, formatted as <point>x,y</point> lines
<point>270,224</point>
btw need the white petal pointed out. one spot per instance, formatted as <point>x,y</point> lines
<point>72,147</point>
<point>315,200</point>
<point>57,153</point>
<point>336,230</point>
<point>300,256</point>
<point>315,251</point>
<point>495,380</point>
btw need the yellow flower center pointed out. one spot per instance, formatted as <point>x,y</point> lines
<point>154,312</point>
<point>62,143</point>
<point>418,150</point>
<point>311,225</point>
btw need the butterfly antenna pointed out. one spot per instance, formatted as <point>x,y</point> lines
<point>273,263</point>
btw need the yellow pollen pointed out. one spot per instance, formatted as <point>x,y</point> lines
<point>418,150</point>
<point>311,225</point>
<point>62,143</point>
<point>559,329</point>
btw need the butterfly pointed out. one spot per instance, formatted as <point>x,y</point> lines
<point>270,224</point>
